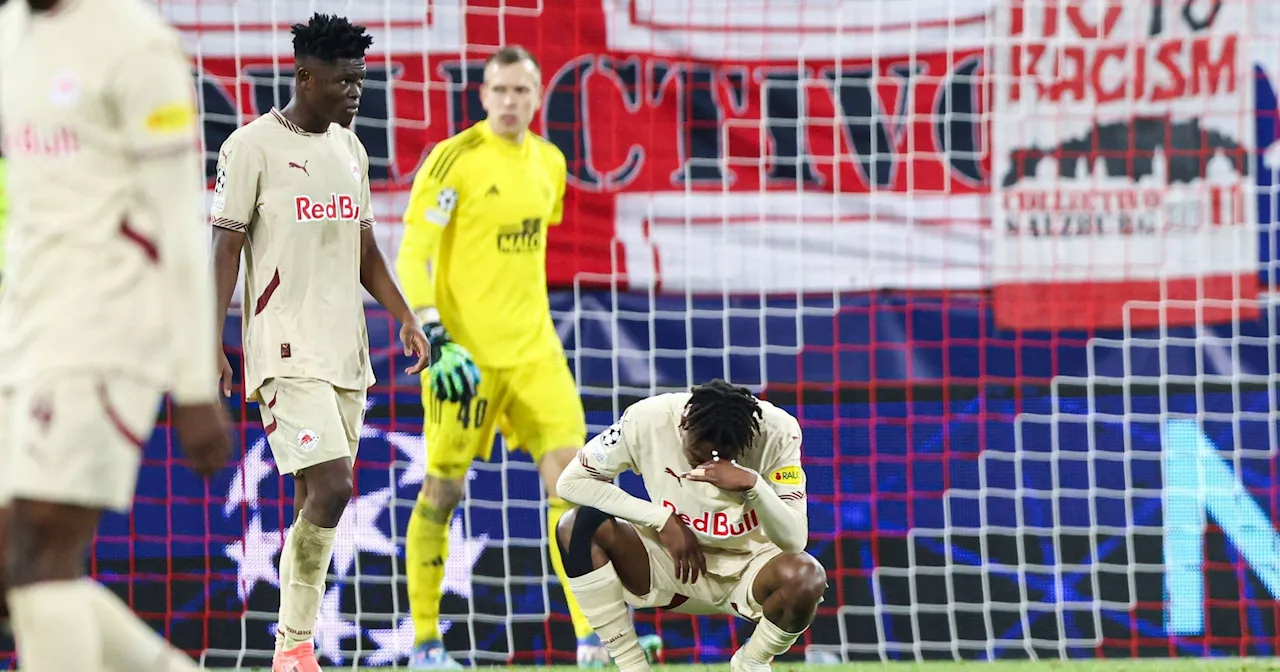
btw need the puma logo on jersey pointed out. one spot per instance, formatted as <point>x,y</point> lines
<point>339,207</point>
<point>717,524</point>
<point>671,472</point>
<point>302,167</point>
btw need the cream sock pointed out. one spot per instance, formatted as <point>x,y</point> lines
<point>311,549</point>
<point>55,627</point>
<point>286,575</point>
<point>128,644</point>
<point>600,595</point>
<point>766,642</point>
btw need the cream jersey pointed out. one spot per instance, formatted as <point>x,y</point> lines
<point>107,256</point>
<point>302,200</point>
<point>648,440</point>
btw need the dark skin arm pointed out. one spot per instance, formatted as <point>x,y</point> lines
<point>227,245</point>
<point>376,277</point>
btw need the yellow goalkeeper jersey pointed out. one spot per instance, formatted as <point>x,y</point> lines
<point>475,243</point>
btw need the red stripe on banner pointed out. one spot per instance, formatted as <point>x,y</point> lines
<point>1101,305</point>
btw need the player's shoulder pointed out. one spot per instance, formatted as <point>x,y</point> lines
<point>462,142</point>
<point>660,409</point>
<point>454,151</point>
<point>253,134</point>
<point>549,151</point>
<point>351,139</point>
<point>775,418</point>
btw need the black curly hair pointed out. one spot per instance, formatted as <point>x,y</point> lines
<point>723,415</point>
<point>329,37</point>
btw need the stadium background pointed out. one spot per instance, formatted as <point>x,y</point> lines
<point>975,492</point>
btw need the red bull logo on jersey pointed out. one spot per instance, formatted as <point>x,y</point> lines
<point>717,524</point>
<point>339,207</point>
<point>61,142</point>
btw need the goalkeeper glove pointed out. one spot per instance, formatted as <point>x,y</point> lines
<point>452,375</point>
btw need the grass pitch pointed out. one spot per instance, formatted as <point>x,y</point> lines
<point>1146,665</point>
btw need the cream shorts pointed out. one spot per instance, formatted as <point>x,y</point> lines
<point>730,592</point>
<point>76,439</point>
<point>310,422</point>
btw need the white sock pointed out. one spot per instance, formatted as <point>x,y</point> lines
<point>55,628</point>
<point>311,549</point>
<point>766,642</point>
<point>286,575</point>
<point>600,595</point>
<point>128,644</point>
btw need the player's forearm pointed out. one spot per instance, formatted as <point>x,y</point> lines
<point>227,245</point>
<point>376,277</point>
<point>175,197</point>
<point>785,526</point>
<point>578,486</point>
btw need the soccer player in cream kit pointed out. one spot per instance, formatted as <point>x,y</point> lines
<point>723,531</point>
<point>107,305</point>
<point>292,192</point>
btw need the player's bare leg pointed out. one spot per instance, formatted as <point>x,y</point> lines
<point>49,596</point>
<point>426,547</point>
<point>602,555</point>
<point>789,588</point>
<point>591,651</point>
<point>321,494</point>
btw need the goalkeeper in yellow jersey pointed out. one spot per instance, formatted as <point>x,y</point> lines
<point>473,267</point>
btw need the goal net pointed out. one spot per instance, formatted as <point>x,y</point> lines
<point>1007,262</point>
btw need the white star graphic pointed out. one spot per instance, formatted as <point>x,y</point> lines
<point>332,628</point>
<point>249,476</point>
<point>358,530</point>
<point>395,644</point>
<point>463,555</point>
<point>254,556</point>
<point>412,447</point>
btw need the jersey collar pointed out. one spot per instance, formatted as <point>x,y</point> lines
<point>276,114</point>
<point>501,142</point>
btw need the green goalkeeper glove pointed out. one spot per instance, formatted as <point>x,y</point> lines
<point>452,375</point>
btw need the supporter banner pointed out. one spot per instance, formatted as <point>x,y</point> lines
<point>712,150</point>
<point>739,152</point>
<point>1122,163</point>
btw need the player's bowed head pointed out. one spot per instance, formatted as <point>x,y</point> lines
<point>720,422</point>
<point>329,72</point>
<point>511,92</point>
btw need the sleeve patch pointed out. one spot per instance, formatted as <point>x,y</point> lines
<point>220,183</point>
<point>447,200</point>
<point>171,118</point>
<point>787,476</point>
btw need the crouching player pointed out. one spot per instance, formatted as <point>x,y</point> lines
<point>724,533</point>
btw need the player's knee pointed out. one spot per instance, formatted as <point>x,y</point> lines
<point>803,580</point>
<point>47,541</point>
<point>328,492</point>
<point>584,534</point>
<point>442,497</point>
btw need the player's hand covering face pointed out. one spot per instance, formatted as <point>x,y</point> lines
<point>333,89</point>
<point>511,94</point>
<point>724,474</point>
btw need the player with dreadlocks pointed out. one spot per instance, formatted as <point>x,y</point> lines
<point>294,185</point>
<point>724,529</point>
